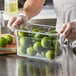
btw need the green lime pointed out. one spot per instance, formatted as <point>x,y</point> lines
<point>45,42</point>
<point>9,39</point>
<point>53,37</point>
<point>53,44</point>
<point>52,31</point>
<point>24,41</point>
<point>31,51</point>
<point>34,30</point>
<point>37,46</point>
<point>38,36</point>
<point>50,54</point>
<point>21,50</point>
<point>3,42</point>
<point>22,33</point>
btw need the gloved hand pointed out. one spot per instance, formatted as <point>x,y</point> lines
<point>16,22</point>
<point>69,31</point>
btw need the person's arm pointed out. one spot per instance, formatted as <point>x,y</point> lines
<point>33,7</point>
<point>30,9</point>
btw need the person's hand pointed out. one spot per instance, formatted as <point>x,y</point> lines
<point>16,22</point>
<point>69,31</point>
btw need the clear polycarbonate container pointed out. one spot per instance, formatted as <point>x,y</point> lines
<point>38,41</point>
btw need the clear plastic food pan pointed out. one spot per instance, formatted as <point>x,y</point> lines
<point>38,41</point>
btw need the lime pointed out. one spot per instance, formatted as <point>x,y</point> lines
<point>21,50</point>
<point>37,46</point>
<point>20,33</point>
<point>34,30</point>
<point>30,51</point>
<point>53,44</point>
<point>54,36</point>
<point>50,54</point>
<point>3,42</point>
<point>24,41</point>
<point>9,39</point>
<point>38,36</point>
<point>45,42</point>
<point>52,31</point>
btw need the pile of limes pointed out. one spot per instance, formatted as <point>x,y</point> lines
<point>35,42</point>
<point>6,40</point>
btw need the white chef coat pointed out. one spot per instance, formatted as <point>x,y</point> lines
<point>65,11</point>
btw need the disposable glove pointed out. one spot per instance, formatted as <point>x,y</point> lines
<point>16,22</point>
<point>69,31</point>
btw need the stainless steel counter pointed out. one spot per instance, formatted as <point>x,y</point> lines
<point>12,65</point>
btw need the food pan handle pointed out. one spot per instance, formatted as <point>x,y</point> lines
<point>66,46</point>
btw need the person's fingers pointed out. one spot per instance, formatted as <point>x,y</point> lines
<point>10,22</point>
<point>17,22</point>
<point>72,35</point>
<point>63,28</point>
<point>68,29</point>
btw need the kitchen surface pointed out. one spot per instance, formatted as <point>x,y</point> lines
<point>13,65</point>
